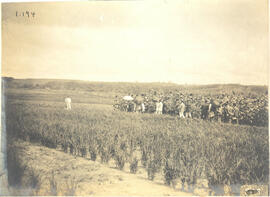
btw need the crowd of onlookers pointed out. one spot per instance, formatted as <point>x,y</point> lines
<point>231,108</point>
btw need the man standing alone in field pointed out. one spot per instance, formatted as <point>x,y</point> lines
<point>68,103</point>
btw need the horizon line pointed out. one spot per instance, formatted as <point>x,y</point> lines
<point>137,81</point>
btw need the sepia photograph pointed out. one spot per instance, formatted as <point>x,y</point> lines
<point>135,98</point>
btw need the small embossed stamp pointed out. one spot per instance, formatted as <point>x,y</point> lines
<point>254,190</point>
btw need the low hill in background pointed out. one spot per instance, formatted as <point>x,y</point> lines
<point>129,87</point>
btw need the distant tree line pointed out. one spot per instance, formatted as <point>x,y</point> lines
<point>136,88</point>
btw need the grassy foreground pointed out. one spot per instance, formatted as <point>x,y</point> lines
<point>179,149</point>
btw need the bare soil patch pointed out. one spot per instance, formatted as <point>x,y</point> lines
<point>59,173</point>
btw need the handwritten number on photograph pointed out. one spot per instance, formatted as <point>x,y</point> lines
<point>27,14</point>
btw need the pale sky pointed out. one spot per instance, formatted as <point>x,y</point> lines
<point>186,42</point>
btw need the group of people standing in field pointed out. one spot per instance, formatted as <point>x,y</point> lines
<point>212,111</point>
<point>138,104</point>
<point>219,109</point>
<point>223,112</point>
<point>230,108</point>
<point>184,110</point>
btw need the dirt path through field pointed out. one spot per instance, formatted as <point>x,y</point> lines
<point>87,177</point>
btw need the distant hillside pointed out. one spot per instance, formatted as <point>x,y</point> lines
<point>128,87</point>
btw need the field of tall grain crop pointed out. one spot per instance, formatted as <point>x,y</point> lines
<point>178,149</point>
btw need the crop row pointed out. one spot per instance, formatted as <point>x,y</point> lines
<point>178,149</point>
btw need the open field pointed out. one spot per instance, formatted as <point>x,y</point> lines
<point>135,98</point>
<point>165,146</point>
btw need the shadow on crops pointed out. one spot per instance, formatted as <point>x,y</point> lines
<point>14,166</point>
<point>21,180</point>
<point>24,180</point>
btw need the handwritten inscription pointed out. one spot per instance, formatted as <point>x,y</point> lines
<point>25,14</point>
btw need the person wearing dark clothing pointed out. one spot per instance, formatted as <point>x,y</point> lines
<point>204,111</point>
<point>188,110</point>
<point>213,109</point>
